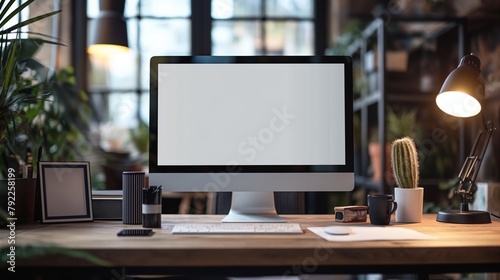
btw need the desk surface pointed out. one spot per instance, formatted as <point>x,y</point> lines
<point>457,247</point>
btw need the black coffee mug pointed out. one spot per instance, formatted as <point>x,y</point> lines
<point>380,208</point>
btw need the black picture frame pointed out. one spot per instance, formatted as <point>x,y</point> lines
<point>65,192</point>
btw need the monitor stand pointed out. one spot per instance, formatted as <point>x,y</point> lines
<point>253,207</point>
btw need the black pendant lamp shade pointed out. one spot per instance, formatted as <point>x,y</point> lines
<point>108,32</point>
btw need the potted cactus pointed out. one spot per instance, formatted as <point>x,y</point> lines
<point>410,197</point>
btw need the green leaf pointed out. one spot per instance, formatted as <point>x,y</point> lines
<point>29,21</point>
<point>6,18</point>
<point>6,9</point>
<point>28,47</point>
<point>9,67</point>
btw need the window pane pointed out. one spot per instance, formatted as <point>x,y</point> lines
<point>122,70</point>
<point>145,57</point>
<point>97,73</point>
<point>25,14</point>
<point>93,8</point>
<point>162,37</point>
<point>289,38</point>
<point>222,9</point>
<point>114,130</point>
<point>116,72</point>
<point>161,8</point>
<point>289,8</point>
<point>123,109</point>
<point>236,38</point>
<point>165,36</point>
<point>144,107</point>
<point>132,34</point>
<point>131,8</point>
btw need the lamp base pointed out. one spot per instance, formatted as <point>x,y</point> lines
<point>463,217</point>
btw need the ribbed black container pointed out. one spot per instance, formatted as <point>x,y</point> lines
<point>151,207</point>
<point>132,185</point>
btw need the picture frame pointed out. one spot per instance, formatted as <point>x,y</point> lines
<point>65,191</point>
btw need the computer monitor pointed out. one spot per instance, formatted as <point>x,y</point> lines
<point>252,125</point>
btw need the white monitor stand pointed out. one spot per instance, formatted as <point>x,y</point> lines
<point>253,207</point>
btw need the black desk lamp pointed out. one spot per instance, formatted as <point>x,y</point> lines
<point>461,96</point>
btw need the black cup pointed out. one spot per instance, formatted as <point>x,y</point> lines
<point>380,208</point>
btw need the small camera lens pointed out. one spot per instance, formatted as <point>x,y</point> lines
<point>339,216</point>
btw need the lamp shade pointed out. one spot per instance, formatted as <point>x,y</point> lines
<point>463,90</point>
<point>108,32</point>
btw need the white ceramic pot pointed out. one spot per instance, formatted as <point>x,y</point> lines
<point>410,204</point>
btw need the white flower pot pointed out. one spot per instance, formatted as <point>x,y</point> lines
<point>410,204</point>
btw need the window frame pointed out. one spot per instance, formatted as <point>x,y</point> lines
<point>201,38</point>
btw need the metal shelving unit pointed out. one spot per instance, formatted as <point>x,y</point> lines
<point>371,103</point>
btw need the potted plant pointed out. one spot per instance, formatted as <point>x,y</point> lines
<point>18,91</point>
<point>402,123</point>
<point>17,88</point>
<point>59,123</point>
<point>405,167</point>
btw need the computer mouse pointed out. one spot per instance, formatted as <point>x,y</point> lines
<point>337,230</point>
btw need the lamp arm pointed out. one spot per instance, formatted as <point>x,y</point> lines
<point>472,164</point>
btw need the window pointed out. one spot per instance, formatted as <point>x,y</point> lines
<point>257,27</point>
<point>119,85</point>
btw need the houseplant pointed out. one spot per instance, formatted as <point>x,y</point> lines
<point>402,123</point>
<point>59,122</point>
<point>17,90</point>
<point>399,124</point>
<point>405,167</point>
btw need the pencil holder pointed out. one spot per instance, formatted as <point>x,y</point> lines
<point>151,207</point>
<point>132,185</point>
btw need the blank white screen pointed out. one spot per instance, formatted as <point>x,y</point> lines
<point>251,114</point>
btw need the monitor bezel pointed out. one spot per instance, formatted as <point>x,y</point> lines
<point>348,167</point>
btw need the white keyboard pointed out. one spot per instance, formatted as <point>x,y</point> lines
<point>230,228</point>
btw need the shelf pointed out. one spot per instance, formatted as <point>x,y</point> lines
<point>397,86</point>
<point>418,97</point>
<point>369,30</point>
<point>370,99</point>
<point>392,94</point>
<point>367,100</point>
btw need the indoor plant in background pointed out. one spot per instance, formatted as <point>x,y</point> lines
<point>17,88</point>
<point>20,90</point>
<point>405,167</point>
<point>39,106</point>
<point>399,124</point>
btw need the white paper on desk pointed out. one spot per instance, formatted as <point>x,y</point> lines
<point>374,233</point>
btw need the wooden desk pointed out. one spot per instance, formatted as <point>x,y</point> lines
<point>459,248</point>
